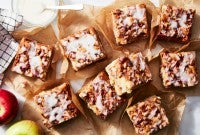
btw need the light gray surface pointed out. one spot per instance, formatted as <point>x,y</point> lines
<point>191,117</point>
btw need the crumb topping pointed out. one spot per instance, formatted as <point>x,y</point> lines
<point>129,22</point>
<point>56,105</point>
<point>82,48</point>
<point>148,116</point>
<point>32,59</point>
<point>127,72</point>
<point>176,22</point>
<point>178,69</point>
<point>101,96</point>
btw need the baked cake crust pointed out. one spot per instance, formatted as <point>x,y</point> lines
<point>56,105</point>
<point>148,116</point>
<point>100,96</point>
<point>178,69</point>
<point>130,23</point>
<point>128,72</point>
<point>33,59</point>
<point>83,48</point>
<point>175,23</point>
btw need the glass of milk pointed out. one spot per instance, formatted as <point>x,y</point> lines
<point>34,12</point>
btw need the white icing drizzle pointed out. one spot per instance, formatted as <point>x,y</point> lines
<point>104,104</point>
<point>54,105</point>
<point>50,100</point>
<point>179,72</point>
<point>139,12</point>
<point>183,20</point>
<point>35,61</point>
<point>129,23</point>
<point>141,61</point>
<point>126,80</point>
<point>84,48</point>
<point>184,76</point>
<point>174,24</point>
<point>58,112</point>
<point>85,42</point>
<point>99,102</point>
<point>98,84</point>
<point>136,12</point>
<point>152,113</point>
<point>150,119</point>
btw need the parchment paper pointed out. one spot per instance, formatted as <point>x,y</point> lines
<point>118,122</point>
<point>104,22</point>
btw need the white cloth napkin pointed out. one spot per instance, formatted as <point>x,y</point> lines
<point>9,21</point>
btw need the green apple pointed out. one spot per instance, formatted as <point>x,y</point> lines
<point>24,127</point>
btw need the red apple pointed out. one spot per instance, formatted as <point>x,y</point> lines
<point>8,106</point>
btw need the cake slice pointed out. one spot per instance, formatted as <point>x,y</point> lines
<point>33,59</point>
<point>128,72</point>
<point>100,96</point>
<point>178,69</point>
<point>130,23</point>
<point>83,48</point>
<point>175,23</point>
<point>56,105</point>
<point>148,116</point>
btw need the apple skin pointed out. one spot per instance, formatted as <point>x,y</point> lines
<point>9,106</point>
<point>24,127</point>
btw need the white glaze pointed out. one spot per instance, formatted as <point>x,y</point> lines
<point>54,105</point>
<point>139,12</point>
<point>183,20</point>
<point>85,42</point>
